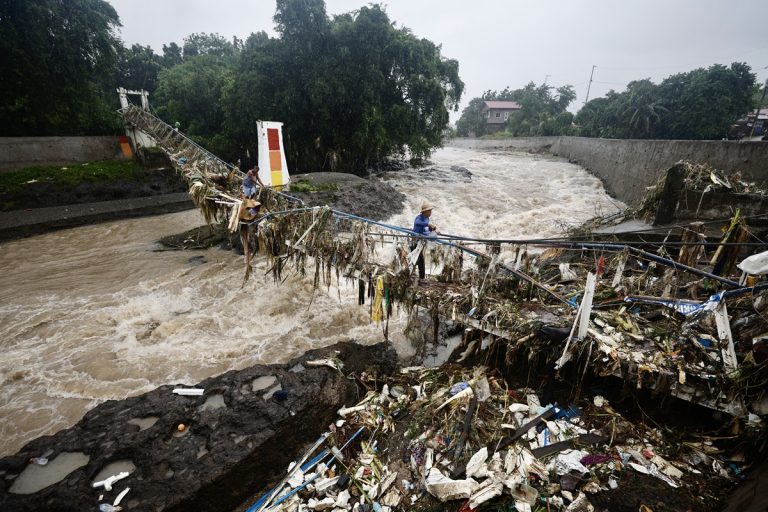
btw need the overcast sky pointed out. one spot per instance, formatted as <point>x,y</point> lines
<point>501,43</point>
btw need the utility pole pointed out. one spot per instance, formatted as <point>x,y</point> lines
<point>590,83</point>
<point>757,109</point>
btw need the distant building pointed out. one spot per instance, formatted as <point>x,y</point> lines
<point>743,127</point>
<point>497,114</point>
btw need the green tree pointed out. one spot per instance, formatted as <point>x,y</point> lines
<point>207,44</point>
<point>542,112</point>
<point>641,110</point>
<point>190,94</point>
<point>172,55</point>
<point>56,62</point>
<point>703,103</point>
<point>699,104</point>
<point>350,90</point>
<point>138,67</point>
<point>472,121</point>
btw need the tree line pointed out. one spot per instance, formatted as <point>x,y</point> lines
<point>699,104</point>
<point>351,89</point>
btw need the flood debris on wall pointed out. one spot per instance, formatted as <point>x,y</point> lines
<point>688,191</point>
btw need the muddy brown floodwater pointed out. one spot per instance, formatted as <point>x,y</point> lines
<point>94,313</point>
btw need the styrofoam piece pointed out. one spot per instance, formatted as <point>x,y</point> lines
<point>476,465</point>
<point>445,489</point>
<point>188,391</point>
<point>488,490</point>
<point>107,483</point>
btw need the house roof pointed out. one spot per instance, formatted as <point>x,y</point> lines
<point>501,104</point>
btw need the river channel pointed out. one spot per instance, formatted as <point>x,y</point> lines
<point>97,313</point>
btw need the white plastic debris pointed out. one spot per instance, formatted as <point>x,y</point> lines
<point>580,504</point>
<point>467,392</point>
<point>323,504</point>
<point>330,363</point>
<point>518,408</point>
<point>429,459</point>
<point>392,498</point>
<point>522,492</point>
<point>566,274</point>
<point>297,479</point>
<point>482,390</point>
<point>326,483</point>
<point>487,490</point>
<point>189,391</point>
<point>349,410</point>
<point>570,460</point>
<point>120,497</point>
<point>522,506</point>
<point>476,466</point>
<point>599,401</point>
<point>757,264</point>
<point>386,482</point>
<point>107,483</point>
<point>495,466</point>
<point>445,489</point>
<point>384,396</point>
<point>342,500</point>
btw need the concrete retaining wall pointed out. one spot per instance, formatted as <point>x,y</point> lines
<point>18,152</point>
<point>627,167</point>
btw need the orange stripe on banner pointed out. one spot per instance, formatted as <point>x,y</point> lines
<point>275,161</point>
<point>126,148</point>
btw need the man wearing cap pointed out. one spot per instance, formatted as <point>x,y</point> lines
<point>249,211</point>
<point>422,226</point>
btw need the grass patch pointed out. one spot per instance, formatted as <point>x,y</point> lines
<point>308,187</point>
<point>70,175</point>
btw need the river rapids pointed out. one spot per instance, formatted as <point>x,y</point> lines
<point>96,313</point>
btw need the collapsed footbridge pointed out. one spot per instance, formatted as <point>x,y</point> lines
<point>654,315</point>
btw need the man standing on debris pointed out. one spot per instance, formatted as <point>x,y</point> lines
<point>251,181</point>
<point>422,226</point>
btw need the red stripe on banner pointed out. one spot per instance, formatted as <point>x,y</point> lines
<point>273,139</point>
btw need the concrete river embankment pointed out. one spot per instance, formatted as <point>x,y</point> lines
<point>626,167</point>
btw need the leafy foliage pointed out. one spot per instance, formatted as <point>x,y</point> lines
<point>699,104</point>
<point>138,67</point>
<point>350,90</point>
<point>542,111</point>
<point>189,94</point>
<point>54,59</point>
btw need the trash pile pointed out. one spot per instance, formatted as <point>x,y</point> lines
<point>700,179</point>
<point>460,435</point>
